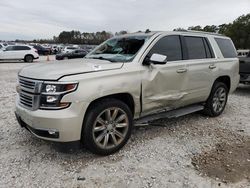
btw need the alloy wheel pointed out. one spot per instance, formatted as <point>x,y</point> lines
<point>110,128</point>
<point>219,99</point>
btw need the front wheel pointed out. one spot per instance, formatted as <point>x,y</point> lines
<point>217,100</point>
<point>107,126</point>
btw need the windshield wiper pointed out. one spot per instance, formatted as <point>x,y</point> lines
<point>101,58</point>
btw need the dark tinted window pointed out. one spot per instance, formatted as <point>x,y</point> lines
<point>226,47</point>
<point>195,48</point>
<point>21,48</point>
<point>169,46</point>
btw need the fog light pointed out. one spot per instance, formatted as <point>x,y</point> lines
<point>51,99</point>
<point>52,132</point>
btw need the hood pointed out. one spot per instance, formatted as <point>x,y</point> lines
<point>54,70</point>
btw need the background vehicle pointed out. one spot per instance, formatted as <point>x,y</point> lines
<point>41,50</point>
<point>68,49</point>
<point>245,69</point>
<point>3,46</point>
<point>243,53</point>
<point>134,78</point>
<point>72,55</point>
<point>19,52</point>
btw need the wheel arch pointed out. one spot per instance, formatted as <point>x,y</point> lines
<point>29,55</point>
<point>224,79</point>
<point>127,98</point>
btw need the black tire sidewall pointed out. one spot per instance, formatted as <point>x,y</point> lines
<point>25,59</point>
<point>91,115</point>
<point>209,104</point>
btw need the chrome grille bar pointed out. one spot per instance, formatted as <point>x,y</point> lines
<point>29,93</point>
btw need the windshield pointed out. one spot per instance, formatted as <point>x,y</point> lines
<point>119,49</point>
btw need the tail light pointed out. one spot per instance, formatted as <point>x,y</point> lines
<point>36,51</point>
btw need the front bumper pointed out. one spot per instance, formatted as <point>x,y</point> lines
<point>54,125</point>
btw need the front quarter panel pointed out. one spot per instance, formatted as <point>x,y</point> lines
<point>95,85</point>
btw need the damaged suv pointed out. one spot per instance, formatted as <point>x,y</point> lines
<point>127,80</point>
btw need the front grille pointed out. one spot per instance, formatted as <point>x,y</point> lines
<point>26,99</point>
<point>29,93</point>
<point>27,84</point>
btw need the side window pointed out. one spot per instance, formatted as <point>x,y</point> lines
<point>10,48</point>
<point>226,47</point>
<point>195,47</point>
<point>21,48</point>
<point>169,46</point>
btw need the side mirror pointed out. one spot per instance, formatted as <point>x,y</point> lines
<point>155,59</point>
<point>158,59</point>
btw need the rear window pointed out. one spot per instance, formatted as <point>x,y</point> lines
<point>226,47</point>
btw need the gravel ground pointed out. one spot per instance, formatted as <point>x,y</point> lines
<point>168,153</point>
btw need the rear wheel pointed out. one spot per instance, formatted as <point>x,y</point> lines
<point>217,100</point>
<point>107,127</point>
<point>28,58</point>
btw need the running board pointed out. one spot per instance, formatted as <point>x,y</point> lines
<point>168,114</point>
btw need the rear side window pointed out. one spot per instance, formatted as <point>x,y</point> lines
<point>21,48</point>
<point>169,46</point>
<point>226,47</point>
<point>195,48</point>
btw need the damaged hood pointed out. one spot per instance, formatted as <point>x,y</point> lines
<point>53,70</point>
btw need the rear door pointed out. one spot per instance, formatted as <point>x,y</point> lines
<point>163,85</point>
<point>201,65</point>
<point>21,51</point>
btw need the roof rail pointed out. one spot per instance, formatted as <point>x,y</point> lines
<point>209,33</point>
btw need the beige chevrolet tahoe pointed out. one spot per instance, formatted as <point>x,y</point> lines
<point>127,80</point>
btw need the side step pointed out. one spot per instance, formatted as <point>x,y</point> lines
<point>169,114</point>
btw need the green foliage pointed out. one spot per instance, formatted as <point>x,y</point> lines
<point>238,31</point>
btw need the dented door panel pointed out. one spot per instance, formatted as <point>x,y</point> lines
<point>162,87</point>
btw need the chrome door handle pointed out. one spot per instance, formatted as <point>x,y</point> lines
<point>181,70</point>
<point>212,66</point>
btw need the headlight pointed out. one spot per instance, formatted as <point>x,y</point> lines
<point>52,93</point>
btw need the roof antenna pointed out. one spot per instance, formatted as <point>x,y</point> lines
<point>147,31</point>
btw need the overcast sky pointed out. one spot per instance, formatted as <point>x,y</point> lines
<point>33,19</point>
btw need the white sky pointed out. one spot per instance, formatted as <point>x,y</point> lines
<point>33,19</point>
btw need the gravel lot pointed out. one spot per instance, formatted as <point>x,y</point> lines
<point>191,151</point>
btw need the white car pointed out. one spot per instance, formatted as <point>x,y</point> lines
<point>19,52</point>
<point>69,49</point>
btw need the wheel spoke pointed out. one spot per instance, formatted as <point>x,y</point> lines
<point>101,121</point>
<point>120,118</point>
<point>100,137</point>
<point>114,139</point>
<point>114,114</point>
<point>99,128</point>
<point>117,133</point>
<point>106,139</point>
<point>121,125</point>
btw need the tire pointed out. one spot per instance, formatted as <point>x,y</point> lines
<point>28,58</point>
<point>217,100</point>
<point>107,127</point>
